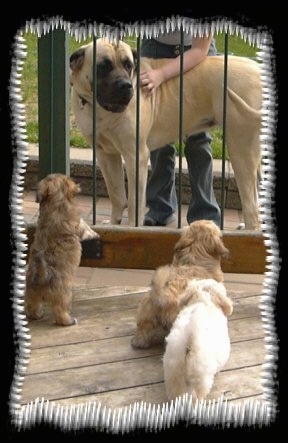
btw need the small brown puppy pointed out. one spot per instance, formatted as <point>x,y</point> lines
<point>197,255</point>
<point>56,250</point>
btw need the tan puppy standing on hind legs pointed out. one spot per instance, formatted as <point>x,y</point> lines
<point>56,250</point>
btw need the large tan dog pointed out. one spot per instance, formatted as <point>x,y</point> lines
<point>116,112</point>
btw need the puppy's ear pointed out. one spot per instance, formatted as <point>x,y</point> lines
<point>71,188</point>
<point>224,302</point>
<point>219,297</point>
<point>220,249</point>
<point>185,239</point>
<point>41,192</point>
<point>76,188</point>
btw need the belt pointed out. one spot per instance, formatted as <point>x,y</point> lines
<point>177,49</point>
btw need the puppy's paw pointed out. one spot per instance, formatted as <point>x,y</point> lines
<point>69,322</point>
<point>86,232</point>
<point>35,315</point>
<point>139,342</point>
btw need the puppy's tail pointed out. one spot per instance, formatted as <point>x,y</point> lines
<point>174,367</point>
<point>41,273</point>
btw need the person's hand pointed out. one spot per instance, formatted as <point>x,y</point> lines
<point>150,80</point>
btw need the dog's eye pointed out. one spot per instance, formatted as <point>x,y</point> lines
<point>104,67</point>
<point>128,65</point>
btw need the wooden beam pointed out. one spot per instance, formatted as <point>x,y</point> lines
<point>148,248</point>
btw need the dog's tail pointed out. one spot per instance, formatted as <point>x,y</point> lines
<point>242,105</point>
<point>174,367</point>
<point>41,274</point>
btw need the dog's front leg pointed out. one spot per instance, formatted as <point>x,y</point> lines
<point>111,166</point>
<point>85,231</point>
<point>137,201</point>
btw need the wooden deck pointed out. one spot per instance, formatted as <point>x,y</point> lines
<point>93,361</point>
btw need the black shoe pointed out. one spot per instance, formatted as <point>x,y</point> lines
<point>148,221</point>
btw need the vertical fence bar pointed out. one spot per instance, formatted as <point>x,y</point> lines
<point>94,135</point>
<point>224,128</point>
<point>53,103</point>
<point>137,133</point>
<point>180,127</point>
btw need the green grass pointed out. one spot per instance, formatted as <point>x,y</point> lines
<point>236,45</point>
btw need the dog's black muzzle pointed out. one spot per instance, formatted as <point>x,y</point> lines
<point>116,96</point>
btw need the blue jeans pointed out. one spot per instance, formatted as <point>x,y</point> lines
<point>161,197</point>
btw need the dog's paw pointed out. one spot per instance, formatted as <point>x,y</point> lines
<point>73,321</point>
<point>86,232</point>
<point>67,322</point>
<point>34,315</point>
<point>138,342</point>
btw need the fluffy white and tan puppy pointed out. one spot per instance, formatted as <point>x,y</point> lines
<point>197,255</point>
<point>198,345</point>
<point>55,252</point>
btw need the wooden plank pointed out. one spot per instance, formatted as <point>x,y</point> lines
<point>154,394</point>
<point>243,353</point>
<point>150,394</point>
<point>117,323</point>
<point>95,327</point>
<point>245,307</point>
<point>130,248</point>
<point>82,292</point>
<point>92,379</point>
<point>74,382</point>
<point>84,308</point>
<point>238,383</point>
<point>85,354</point>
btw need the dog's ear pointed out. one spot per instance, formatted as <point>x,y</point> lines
<point>69,187</point>
<point>208,237</point>
<point>219,248</point>
<point>74,188</point>
<point>76,62</point>
<point>213,244</point>
<point>42,191</point>
<point>182,247</point>
<point>185,239</point>
<point>224,302</point>
<point>218,295</point>
<point>77,59</point>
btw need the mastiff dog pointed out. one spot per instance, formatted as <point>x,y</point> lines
<point>118,104</point>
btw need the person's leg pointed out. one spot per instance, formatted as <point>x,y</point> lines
<point>161,196</point>
<point>203,204</point>
<point>160,191</point>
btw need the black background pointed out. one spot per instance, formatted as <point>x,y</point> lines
<point>15,18</point>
